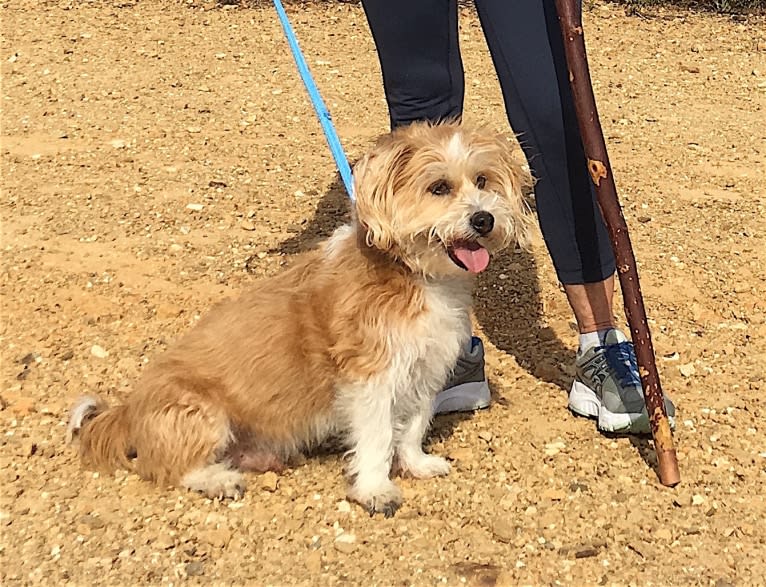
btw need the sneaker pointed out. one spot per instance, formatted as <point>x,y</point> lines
<point>607,386</point>
<point>467,389</point>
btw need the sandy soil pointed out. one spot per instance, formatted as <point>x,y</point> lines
<point>116,116</point>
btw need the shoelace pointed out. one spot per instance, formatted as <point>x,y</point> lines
<point>622,359</point>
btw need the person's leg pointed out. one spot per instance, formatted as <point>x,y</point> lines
<point>526,46</point>
<point>528,54</point>
<point>419,53</point>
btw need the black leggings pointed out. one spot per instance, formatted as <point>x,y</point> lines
<point>417,42</point>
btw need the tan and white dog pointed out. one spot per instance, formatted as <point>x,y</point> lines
<point>354,339</point>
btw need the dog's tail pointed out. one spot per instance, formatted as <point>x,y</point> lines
<point>101,432</point>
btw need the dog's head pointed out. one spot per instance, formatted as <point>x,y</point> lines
<point>441,198</point>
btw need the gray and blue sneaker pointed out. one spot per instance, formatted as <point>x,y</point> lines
<point>607,387</point>
<point>466,390</point>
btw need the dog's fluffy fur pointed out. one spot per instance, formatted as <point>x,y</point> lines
<point>354,339</point>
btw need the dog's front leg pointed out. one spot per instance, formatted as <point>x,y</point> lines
<point>412,426</point>
<point>369,412</point>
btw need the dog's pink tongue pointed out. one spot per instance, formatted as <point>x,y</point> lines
<point>475,258</point>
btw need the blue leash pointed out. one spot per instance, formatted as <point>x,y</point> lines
<point>325,119</point>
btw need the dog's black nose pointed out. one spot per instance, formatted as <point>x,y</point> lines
<point>483,222</point>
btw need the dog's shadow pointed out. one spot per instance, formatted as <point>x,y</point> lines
<point>508,306</point>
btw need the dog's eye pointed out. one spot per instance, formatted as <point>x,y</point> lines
<point>440,188</point>
<point>481,181</point>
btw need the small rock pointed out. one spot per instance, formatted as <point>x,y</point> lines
<point>690,68</point>
<point>697,499</point>
<point>193,129</point>
<point>217,538</point>
<point>99,351</point>
<point>503,530</point>
<point>67,355</point>
<point>344,506</point>
<point>166,310</point>
<point>21,406</point>
<point>118,143</point>
<point>485,435</point>
<point>93,522</point>
<point>195,569</point>
<point>247,225</point>
<point>586,552</point>
<point>195,207</point>
<point>554,494</point>
<point>345,543</point>
<point>164,542</point>
<point>176,248</point>
<point>554,448</point>
<point>29,358</point>
<point>269,481</point>
<point>663,534</point>
<point>314,562</point>
<point>220,55</point>
<point>461,454</point>
<point>687,370</point>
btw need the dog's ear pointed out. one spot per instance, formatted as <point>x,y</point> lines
<point>517,185</point>
<point>377,176</point>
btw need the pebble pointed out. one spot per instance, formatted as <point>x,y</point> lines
<point>217,538</point>
<point>314,562</point>
<point>663,534</point>
<point>195,207</point>
<point>269,481</point>
<point>99,351</point>
<point>165,542</point>
<point>92,522</point>
<point>247,225</point>
<point>118,143</point>
<point>176,248</point>
<point>193,129</point>
<point>687,370</point>
<point>485,435</point>
<point>344,506</point>
<point>195,569</point>
<point>461,454</point>
<point>503,530</point>
<point>345,543</point>
<point>586,552</point>
<point>554,448</point>
<point>554,494</point>
<point>697,499</point>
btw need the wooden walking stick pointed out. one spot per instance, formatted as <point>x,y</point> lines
<point>570,19</point>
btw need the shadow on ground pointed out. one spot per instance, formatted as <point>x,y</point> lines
<point>508,308</point>
<point>508,305</point>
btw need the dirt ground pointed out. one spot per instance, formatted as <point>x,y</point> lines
<point>158,156</point>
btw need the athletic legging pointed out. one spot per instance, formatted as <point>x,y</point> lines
<point>417,43</point>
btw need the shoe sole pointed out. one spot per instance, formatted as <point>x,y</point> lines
<point>464,397</point>
<point>584,402</point>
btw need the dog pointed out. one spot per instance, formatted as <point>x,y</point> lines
<point>352,341</point>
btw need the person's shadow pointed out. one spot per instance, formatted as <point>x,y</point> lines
<point>507,302</point>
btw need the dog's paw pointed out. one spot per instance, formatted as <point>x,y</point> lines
<point>384,500</point>
<point>424,466</point>
<point>216,481</point>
